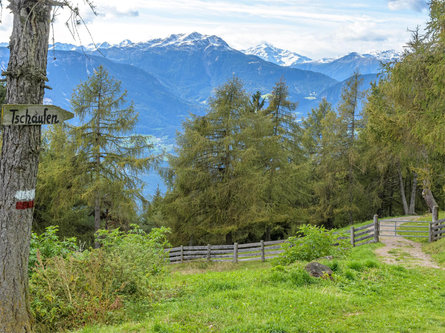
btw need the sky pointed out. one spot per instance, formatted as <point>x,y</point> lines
<point>313,28</point>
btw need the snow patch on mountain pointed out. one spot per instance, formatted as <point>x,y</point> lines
<point>276,55</point>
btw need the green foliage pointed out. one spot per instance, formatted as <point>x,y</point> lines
<point>236,175</point>
<point>113,157</point>
<point>314,242</point>
<point>48,245</point>
<point>95,286</point>
<point>60,187</point>
<point>253,297</point>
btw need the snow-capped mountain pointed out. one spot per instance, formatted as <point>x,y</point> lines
<point>338,68</point>
<point>343,67</point>
<point>180,41</point>
<point>276,55</point>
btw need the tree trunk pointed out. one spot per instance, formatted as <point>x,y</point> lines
<point>412,204</point>
<point>96,219</point>
<point>428,195</point>
<point>26,77</point>
<point>402,193</point>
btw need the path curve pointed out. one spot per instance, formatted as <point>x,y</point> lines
<point>399,250</point>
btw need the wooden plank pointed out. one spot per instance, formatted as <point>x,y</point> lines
<point>222,247</point>
<point>403,221</point>
<point>346,237</point>
<point>195,252</point>
<point>413,226</point>
<point>367,231</point>
<point>242,246</point>
<point>195,247</point>
<point>274,252</point>
<point>250,259</point>
<point>173,249</point>
<point>368,242</point>
<point>187,257</point>
<point>363,238</point>
<point>244,255</point>
<point>275,242</point>
<point>414,231</point>
<point>441,221</point>
<point>438,233</point>
<point>222,251</point>
<point>249,249</point>
<point>267,248</point>
<point>364,227</point>
<point>441,226</point>
<point>33,114</point>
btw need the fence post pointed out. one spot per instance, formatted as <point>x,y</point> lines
<point>263,257</point>
<point>182,254</point>
<point>431,227</point>
<point>376,228</point>
<point>352,237</point>
<point>235,253</point>
<point>208,252</point>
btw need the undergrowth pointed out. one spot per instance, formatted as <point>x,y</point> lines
<point>70,289</point>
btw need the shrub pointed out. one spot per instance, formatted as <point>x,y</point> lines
<point>49,245</point>
<point>92,286</point>
<point>314,242</point>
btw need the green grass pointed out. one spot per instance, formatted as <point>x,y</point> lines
<point>364,296</point>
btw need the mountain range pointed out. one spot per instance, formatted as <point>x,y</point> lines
<point>172,77</point>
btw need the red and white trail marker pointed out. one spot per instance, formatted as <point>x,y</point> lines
<point>25,199</point>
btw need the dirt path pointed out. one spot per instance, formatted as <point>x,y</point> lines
<point>399,250</point>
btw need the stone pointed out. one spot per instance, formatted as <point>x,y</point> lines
<point>316,269</point>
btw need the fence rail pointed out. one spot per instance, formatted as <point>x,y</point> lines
<point>227,253</point>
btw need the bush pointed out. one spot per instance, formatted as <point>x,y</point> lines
<point>92,286</point>
<point>314,242</point>
<point>49,245</point>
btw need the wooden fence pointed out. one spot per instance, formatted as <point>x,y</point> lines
<point>227,253</point>
<point>437,230</point>
<point>370,233</point>
<point>261,250</point>
<point>365,234</point>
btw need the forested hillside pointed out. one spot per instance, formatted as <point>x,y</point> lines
<point>249,169</point>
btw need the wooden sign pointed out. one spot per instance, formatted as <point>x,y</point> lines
<point>33,114</point>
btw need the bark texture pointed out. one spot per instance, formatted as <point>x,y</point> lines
<point>428,195</point>
<point>412,204</point>
<point>26,76</point>
<point>402,193</point>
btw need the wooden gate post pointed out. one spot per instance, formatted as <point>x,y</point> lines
<point>235,253</point>
<point>433,224</point>
<point>376,228</point>
<point>209,249</point>
<point>263,257</point>
<point>352,237</point>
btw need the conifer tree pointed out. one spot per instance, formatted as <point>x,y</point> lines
<point>60,187</point>
<point>114,155</point>
<point>281,158</point>
<point>214,183</point>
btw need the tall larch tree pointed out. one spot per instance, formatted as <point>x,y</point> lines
<point>114,154</point>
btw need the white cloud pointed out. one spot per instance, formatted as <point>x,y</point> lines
<point>417,5</point>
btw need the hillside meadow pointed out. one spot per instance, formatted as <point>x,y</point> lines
<point>364,295</point>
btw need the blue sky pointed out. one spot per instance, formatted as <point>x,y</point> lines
<point>315,28</point>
